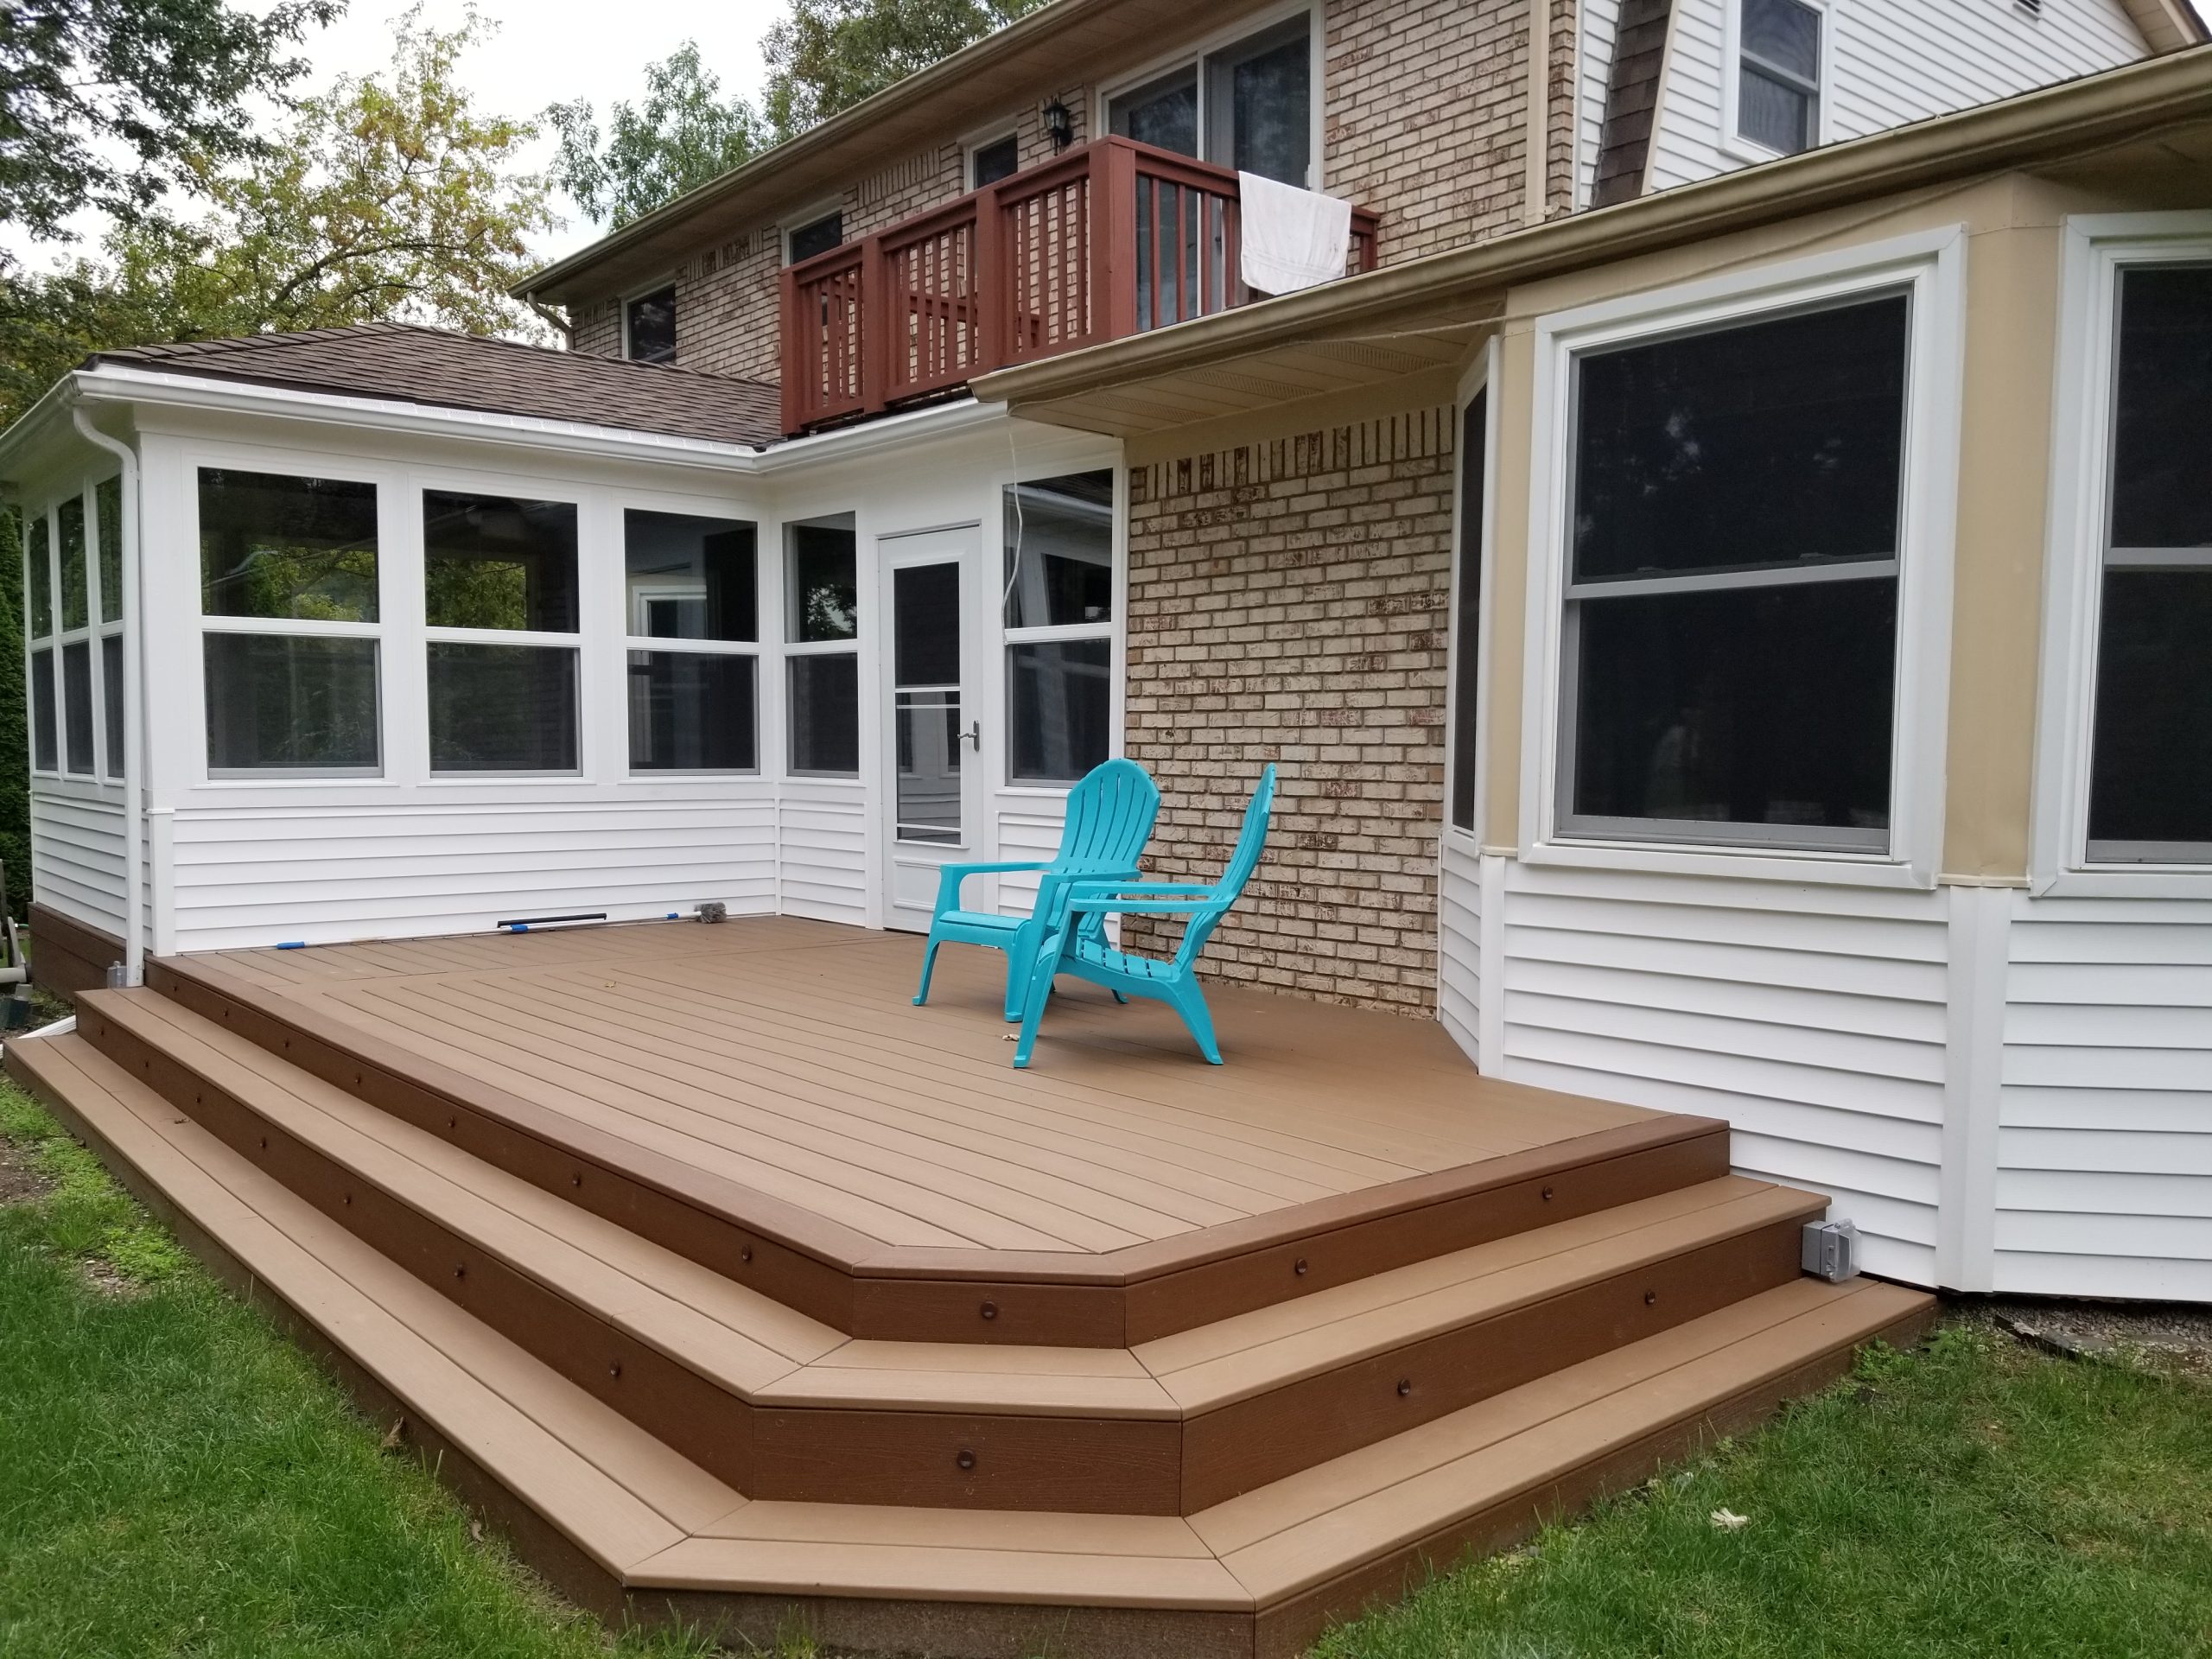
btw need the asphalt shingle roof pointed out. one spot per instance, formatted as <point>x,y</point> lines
<point>455,371</point>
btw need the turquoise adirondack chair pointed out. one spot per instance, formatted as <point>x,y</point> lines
<point>1109,814</point>
<point>1077,941</point>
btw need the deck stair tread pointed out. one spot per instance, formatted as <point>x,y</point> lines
<point>664,1524</point>
<point>756,1349</point>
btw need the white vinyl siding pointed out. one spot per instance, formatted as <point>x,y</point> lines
<point>2104,1177</point>
<point>1888,62</point>
<point>822,849</point>
<point>77,851</point>
<point>1600,30</point>
<point>1813,1019</point>
<point>1459,944</point>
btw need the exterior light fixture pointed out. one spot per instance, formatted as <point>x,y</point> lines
<point>1060,124</point>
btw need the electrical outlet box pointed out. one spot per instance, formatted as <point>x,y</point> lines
<point>1830,1250</point>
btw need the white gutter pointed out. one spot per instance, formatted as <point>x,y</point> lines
<point>133,707</point>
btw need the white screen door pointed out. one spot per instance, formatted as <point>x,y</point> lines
<point>933,789</point>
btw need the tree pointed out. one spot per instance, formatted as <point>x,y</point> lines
<point>167,82</point>
<point>829,55</point>
<point>682,136</point>
<point>386,197</point>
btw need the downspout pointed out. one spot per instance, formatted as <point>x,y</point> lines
<point>134,708</point>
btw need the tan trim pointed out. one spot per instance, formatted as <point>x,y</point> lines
<point>2056,124</point>
<point>1536,124</point>
<point>1426,390</point>
<point>2168,25</point>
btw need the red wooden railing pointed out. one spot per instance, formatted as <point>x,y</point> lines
<point>1108,239</point>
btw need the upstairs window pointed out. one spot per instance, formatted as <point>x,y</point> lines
<point>817,236</point>
<point>1730,639</point>
<point>2151,743</point>
<point>649,326</point>
<point>1779,75</point>
<point>989,163</point>
<point>1247,106</point>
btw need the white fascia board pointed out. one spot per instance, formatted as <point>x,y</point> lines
<point>111,383</point>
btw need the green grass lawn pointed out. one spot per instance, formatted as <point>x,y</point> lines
<point>175,1478</point>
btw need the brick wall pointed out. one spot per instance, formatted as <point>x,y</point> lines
<point>1288,601</point>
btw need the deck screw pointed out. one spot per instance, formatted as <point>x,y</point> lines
<point>966,1460</point>
<point>349,1198</point>
<point>264,1143</point>
<point>990,1310</point>
<point>1299,1267</point>
<point>453,1122</point>
<point>1548,1195</point>
<point>1650,1299</point>
<point>460,1269</point>
<point>576,1180</point>
<point>1405,1387</point>
<point>615,1369</point>
<point>745,1254</point>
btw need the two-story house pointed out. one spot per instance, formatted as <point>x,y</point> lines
<point>1722,575</point>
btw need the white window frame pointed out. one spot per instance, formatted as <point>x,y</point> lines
<point>667,282</point>
<point>1041,634</point>
<point>631,640</point>
<point>787,588</point>
<point>1195,56</point>
<point>1483,376</point>
<point>422,484</point>
<point>2095,248</point>
<point>811,215</point>
<point>297,466</point>
<point>1732,141</point>
<point>985,138</point>
<point>1931,266</point>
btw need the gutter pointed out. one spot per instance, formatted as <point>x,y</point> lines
<point>2063,121</point>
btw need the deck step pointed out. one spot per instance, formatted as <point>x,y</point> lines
<point>626,1523</point>
<point>785,1406</point>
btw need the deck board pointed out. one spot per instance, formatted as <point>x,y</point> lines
<point>787,1056</point>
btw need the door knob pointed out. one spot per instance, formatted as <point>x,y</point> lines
<point>973,734</point>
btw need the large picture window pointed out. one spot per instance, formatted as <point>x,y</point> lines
<point>1730,637</point>
<point>1059,627</point>
<point>692,613</point>
<point>1247,106</point>
<point>500,595</point>
<point>289,573</point>
<point>2151,745</point>
<point>822,635</point>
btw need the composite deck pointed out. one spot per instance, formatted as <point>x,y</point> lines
<point>734,1284</point>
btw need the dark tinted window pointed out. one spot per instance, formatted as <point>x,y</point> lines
<point>1060,695</point>
<point>284,703</point>
<point>274,545</point>
<point>38,578</point>
<point>989,163</point>
<point>502,707</point>
<point>691,711</point>
<point>821,236</point>
<point>652,328</point>
<point>2161,439</point>
<point>825,602</point>
<point>1269,103</point>
<point>1060,551</point>
<point>45,750</point>
<point>107,502</point>
<point>690,577</point>
<point>499,561</point>
<point>1769,444</point>
<point>76,595</point>
<point>1778,92</point>
<point>112,703</point>
<point>1467,611</point>
<point>1164,113</point>
<point>825,718</point>
<point>77,705</point>
<point>2151,771</point>
<point>926,624</point>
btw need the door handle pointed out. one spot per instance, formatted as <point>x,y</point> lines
<point>973,734</point>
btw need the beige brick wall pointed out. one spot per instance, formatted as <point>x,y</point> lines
<point>1288,601</point>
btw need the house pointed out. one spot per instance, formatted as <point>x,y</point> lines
<point>1719,576</point>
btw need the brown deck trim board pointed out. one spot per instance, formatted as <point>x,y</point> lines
<point>68,956</point>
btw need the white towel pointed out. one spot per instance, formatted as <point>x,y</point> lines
<point>1291,238</point>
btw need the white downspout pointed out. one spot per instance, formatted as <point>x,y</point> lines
<point>134,708</point>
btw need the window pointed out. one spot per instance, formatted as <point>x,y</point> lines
<point>1467,610</point>
<point>2150,741</point>
<point>289,588</point>
<point>1059,627</point>
<point>38,578</point>
<point>494,565</point>
<point>38,605</point>
<point>817,236</point>
<point>1730,637</point>
<point>649,328</point>
<point>107,518</point>
<point>74,593</point>
<point>1247,106</point>
<point>989,163</point>
<point>1779,75</point>
<point>822,627</point>
<point>692,613</point>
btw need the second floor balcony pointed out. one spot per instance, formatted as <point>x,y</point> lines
<point>1111,238</point>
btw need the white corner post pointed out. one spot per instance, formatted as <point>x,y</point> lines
<point>133,707</point>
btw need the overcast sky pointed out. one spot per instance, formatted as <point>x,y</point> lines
<point>550,50</point>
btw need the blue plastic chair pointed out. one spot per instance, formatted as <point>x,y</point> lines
<point>1109,816</point>
<point>1078,943</point>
